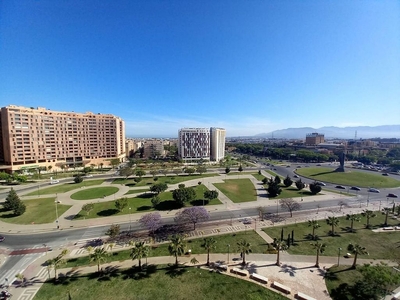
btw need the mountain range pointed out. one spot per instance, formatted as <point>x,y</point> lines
<point>331,132</point>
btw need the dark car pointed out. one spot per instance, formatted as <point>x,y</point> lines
<point>355,188</point>
<point>296,176</point>
<point>392,195</point>
<point>2,238</point>
<point>373,190</point>
<point>340,187</point>
<point>385,174</point>
<point>320,183</point>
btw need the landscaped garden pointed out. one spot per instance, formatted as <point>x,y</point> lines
<point>238,190</point>
<point>155,282</point>
<point>94,193</point>
<point>45,189</point>
<point>349,178</point>
<point>38,211</point>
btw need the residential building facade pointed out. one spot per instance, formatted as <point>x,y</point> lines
<point>38,137</point>
<point>314,138</point>
<point>218,136</point>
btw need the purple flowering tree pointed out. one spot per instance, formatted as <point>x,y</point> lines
<point>194,215</point>
<point>151,222</point>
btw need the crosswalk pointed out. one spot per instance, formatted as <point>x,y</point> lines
<point>30,291</point>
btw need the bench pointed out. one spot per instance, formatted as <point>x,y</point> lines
<point>304,296</point>
<point>397,227</point>
<point>259,278</point>
<point>239,271</point>
<point>388,228</point>
<point>281,287</point>
<point>221,267</point>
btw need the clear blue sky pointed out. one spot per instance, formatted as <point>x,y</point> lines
<point>248,66</point>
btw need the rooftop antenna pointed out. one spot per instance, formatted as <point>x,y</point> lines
<point>355,136</point>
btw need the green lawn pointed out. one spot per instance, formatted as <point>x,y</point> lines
<point>238,190</point>
<point>350,177</point>
<point>293,192</point>
<point>137,191</point>
<point>258,245</point>
<point>142,203</point>
<point>38,211</point>
<point>379,245</point>
<point>62,188</point>
<point>148,181</point>
<point>156,282</point>
<point>94,193</point>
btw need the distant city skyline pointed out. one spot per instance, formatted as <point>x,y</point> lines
<point>250,67</point>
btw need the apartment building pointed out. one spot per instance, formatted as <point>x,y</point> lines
<point>39,137</point>
<point>201,144</point>
<point>314,138</point>
<point>131,146</point>
<point>153,148</point>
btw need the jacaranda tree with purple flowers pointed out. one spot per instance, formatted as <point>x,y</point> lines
<point>194,215</point>
<point>151,222</point>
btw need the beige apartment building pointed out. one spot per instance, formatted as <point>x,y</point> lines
<point>38,137</point>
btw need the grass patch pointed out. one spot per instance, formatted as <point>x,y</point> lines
<point>94,193</point>
<point>350,177</point>
<point>142,203</point>
<point>63,188</point>
<point>292,192</point>
<point>380,245</point>
<point>156,282</point>
<point>238,190</point>
<point>257,176</point>
<point>38,211</point>
<point>137,191</point>
<point>258,245</point>
<point>148,181</point>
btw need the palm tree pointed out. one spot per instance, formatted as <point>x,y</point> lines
<point>279,245</point>
<point>139,251</point>
<point>244,248</point>
<point>99,255</point>
<point>333,222</point>
<point>368,214</point>
<point>177,246</point>
<point>56,262</point>
<point>320,247</point>
<point>356,250</point>
<point>21,278</point>
<point>208,245</point>
<point>352,218</point>
<point>314,225</point>
<point>386,210</point>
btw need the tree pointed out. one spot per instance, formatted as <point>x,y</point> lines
<point>20,209</point>
<point>14,203</point>
<point>240,169</point>
<point>139,251</point>
<point>98,256</point>
<point>21,278</point>
<point>314,225</point>
<point>151,222</point>
<point>210,195</point>
<point>227,170</point>
<point>56,262</point>
<point>88,207</point>
<point>78,179</point>
<point>158,188</point>
<point>208,245</point>
<point>287,181</point>
<point>126,172</point>
<point>155,200</point>
<point>113,231</point>
<point>244,247</point>
<point>277,180</point>
<point>190,171</point>
<point>300,185</point>
<point>356,250</point>
<point>201,169</point>
<point>386,211</point>
<point>261,211</point>
<point>320,248</point>
<point>279,245</point>
<point>353,218</point>
<point>177,246</point>
<point>273,188</point>
<point>115,162</point>
<point>314,188</point>
<point>290,205</point>
<point>194,215</point>
<point>121,203</point>
<point>140,173</point>
<point>182,195</point>
<point>264,180</point>
<point>333,222</point>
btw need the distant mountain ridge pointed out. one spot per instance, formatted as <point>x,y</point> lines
<point>363,132</point>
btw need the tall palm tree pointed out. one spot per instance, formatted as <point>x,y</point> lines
<point>208,245</point>
<point>99,255</point>
<point>353,218</point>
<point>368,214</point>
<point>386,210</point>
<point>139,251</point>
<point>314,225</point>
<point>177,246</point>
<point>320,248</point>
<point>356,250</point>
<point>244,248</point>
<point>279,245</point>
<point>56,262</point>
<point>333,222</point>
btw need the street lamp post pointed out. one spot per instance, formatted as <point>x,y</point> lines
<point>338,257</point>
<point>58,226</point>
<point>368,198</point>
<point>228,252</point>
<point>130,219</point>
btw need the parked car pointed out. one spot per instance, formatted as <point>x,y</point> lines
<point>296,176</point>
<point>340,187</point>
<point>88,175</point>
<point>320,183</point>
<point>355,188</point>
<point>54,181</point>
<point>390,195</point>
<point>246,221</point>
<point>372,190</point>
<point>2,238</point>
<point>385,174</point>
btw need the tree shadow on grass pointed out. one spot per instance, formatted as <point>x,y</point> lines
<point>138,274</point>
<point>8,216</point>
<point>107,212</point>
<point>144,207</point>
<point>199,202</point>
<point>168,205</point>
<point>175,270</point>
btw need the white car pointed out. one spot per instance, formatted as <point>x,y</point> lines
<point>88,175</point>
<point>374,190</point>
<point>320,183</point>
<point>54,181</point>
